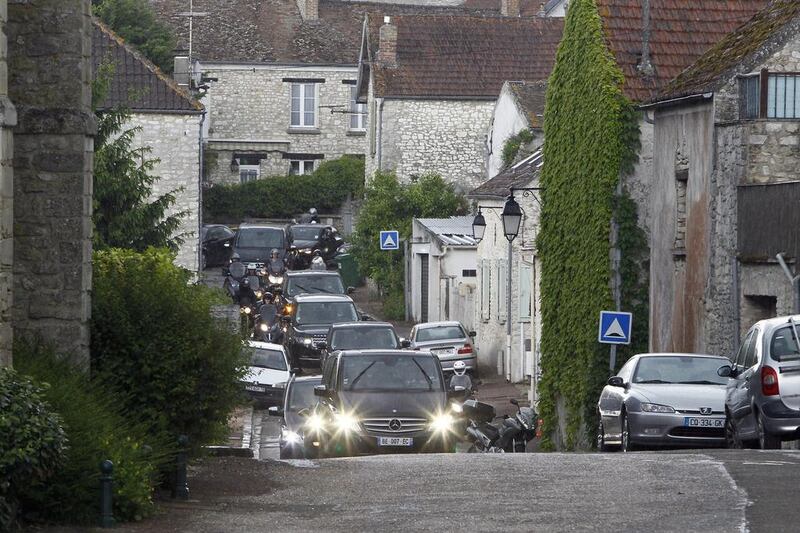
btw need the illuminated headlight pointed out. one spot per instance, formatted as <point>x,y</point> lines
<point>307,341</point>
<point>246,310</point>
<point>275,280</point>
<point>306,251</point>
<point>442,423</point>
<point>315,422</point>
<point>263,327</point>
<point>456,407</point>
<point>259,294</point>
<point>290,437</point>
<point>288,309</point>
<point>656,408</point>
<point>345,422</point>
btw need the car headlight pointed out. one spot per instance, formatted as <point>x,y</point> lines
<point>442,423</point>
<point>345,422</point>
<point>290,437</point>
<point>263,327</point>
<point>280,385</point>
<point>314,422</point>
<point>656,408</point>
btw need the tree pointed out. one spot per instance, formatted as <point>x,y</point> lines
<point>136,22</point>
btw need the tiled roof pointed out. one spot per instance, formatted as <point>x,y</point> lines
<point>749,42</point>
<point>681,31</point>
<point>453,231</point>
<point>465,56</point>
<point>530,98</point>
<point>517,175</point>
<point>137,84</point>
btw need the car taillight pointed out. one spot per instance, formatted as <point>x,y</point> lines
<point>769,381</point>
<point>466,349</point>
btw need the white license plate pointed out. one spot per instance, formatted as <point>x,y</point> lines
<point>395,441</point>
<point>695,422</point>
<point>444,351</point>
<point>255,388</point>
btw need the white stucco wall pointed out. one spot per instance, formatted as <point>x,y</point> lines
<point>507,120</point>
<point>174,139</point>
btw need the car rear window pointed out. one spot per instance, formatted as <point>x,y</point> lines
<point>260,238</point>
<point>269,359</point>
<point>364,338</point>
<point>440,333</point>
<point>783,346</point>
<point>306,233</point>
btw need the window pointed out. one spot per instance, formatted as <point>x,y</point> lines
<point>525,291</point>
<point>486,289</point>
<point>501,290</point>
<point>783,96</point>
<point>249,173</point>
<point>750,89</point>
<point>743,349</point>
<point>467,273</point>
<point>750,357</point>
<point>304,105</point>
<point>358,115</point>
<point>302,166</point>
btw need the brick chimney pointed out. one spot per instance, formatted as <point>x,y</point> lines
<point>387,43</point>
<point>509,8</point>
<point>309,9</point>
<point>645,65</point>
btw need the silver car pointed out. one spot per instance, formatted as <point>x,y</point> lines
<point>449,341</point>
<point>763,397</point>
<point>663,399</point>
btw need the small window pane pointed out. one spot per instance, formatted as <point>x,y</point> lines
<point>295,90</point>
<point>309,118</point>
<point>294,168</point>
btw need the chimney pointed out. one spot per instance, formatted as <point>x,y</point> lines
<point>645,66</point>
<point>309,9</point>
<point>387,43</point>
<point>509,8</point>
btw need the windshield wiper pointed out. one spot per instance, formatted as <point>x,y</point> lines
<point>320,289</point>
<point>651,381</point>
<point>700,382</point>
<point>300,287</point>
<point>353,384</point>
<point>430,383</point>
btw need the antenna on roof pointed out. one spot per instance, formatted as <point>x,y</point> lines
<point>191,14</point>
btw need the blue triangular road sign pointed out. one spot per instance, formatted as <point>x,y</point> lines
<point>390,240</point>
<point>615,327</point>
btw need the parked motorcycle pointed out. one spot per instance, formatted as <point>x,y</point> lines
<point>510,434</point>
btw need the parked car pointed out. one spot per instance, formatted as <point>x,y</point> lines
<point>305,239</point>
<point>254,242</point>
<point>361,336</point>
<point>217,244</point>
<point>294,413</point>
<point>383,400</point>
<point>663,399</point>
<point>762,400</point>
<point>307,323</point>
<point>268,373</point>
<point>449,341</point>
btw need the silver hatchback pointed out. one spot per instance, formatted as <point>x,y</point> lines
<point>449,341</point>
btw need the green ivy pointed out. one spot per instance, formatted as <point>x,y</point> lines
<point>590,142</point>
<point>513,144</point>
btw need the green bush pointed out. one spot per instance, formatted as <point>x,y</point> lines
<point>285,196</point>
<point>513,144</point>
<point>32,443</point>
<point>97,430</point>
<point>156,344</point>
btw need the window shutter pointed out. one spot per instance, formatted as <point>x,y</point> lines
<point>486,289</point>
<point>502,282</point>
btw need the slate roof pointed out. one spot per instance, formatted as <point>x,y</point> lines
<point>530,96</point>
<point>465,56</point>
<point>681,31</point>
<point>453,231</point>
<point>137,84</point>
<point>750,43</point>
<point>517,175</point>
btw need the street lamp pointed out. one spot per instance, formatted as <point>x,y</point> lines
<point>512,217</point>
<point>478,226</point>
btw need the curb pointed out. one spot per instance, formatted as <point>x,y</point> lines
<point>229,451</point>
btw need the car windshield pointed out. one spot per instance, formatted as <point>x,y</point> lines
<point>314,284</point>
<point>399,373</point>
<point>273,359</point>
<point>784,345</point>
<point>364,338</point>
<point>305,233</point>
<point>680,369</point>
<point>260,238</point>
<point>439,333</point>
<point>325,312</point>
<point>301,395</point>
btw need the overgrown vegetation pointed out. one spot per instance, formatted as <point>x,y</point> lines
<point>285,196</point>
<point>589,143</point>
<point>32,444</point>
<point>513,144</point>
<point>391,205</point>
<point>97,430</point>
<point>157,347</point>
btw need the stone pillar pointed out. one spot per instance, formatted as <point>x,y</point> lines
<point>8,119</point>
<point>387,43</point>
<point>49,59</point>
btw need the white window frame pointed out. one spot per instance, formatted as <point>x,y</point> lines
<point>525,291</point>
<point>358,112</point>
<point>302,164</point>
<point>244,170</point>
<point>502,275</point>
<point>486,289</point>
<point>304,88</point>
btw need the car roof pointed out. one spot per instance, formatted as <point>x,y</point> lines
<point>427,325</point>
<point>678,354</point>
<point>266,345</point>
<point>322,298</point>
<point>404,353</point>
<point>310,226</point>
<point>298,273</point>
<point>246,225</point>
<point>360,325</point>
<point>771,323</point>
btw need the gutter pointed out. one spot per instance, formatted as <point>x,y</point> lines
<point>677,101</point>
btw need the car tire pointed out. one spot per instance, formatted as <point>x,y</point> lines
<point>732,440</point>
<point>766,441</point>
<point>601,438</point>
<point>627,445</point>
<point>472,449</point>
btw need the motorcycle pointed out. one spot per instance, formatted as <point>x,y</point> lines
<point>267,326</point>
<point>511,435</point>
<point>272,275</point>
<point>234,274</point>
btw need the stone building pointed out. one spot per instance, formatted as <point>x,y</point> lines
<point>170,124</point>
<point>431,82</point>
<point>725,187</point>
<point>46,148</point>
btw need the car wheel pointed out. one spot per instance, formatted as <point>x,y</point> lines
<point>766,441</point>
<point>472,449</point>
<point>627,445</point>
<point>601,438</point>
<point>732,439</point>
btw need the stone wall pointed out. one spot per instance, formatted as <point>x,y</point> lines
<point>253,105</point>
<point>638,184</point>
<point>49,64</point>
<point>174,139</point>
<point>447,137</point>
<point>8,119</point>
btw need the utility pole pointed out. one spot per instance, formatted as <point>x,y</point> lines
<point>616,279</point>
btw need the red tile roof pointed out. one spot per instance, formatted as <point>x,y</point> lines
<point>681,31</point>
<point>465,56</point>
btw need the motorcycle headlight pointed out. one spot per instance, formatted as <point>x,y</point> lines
<point>307,341</point>
<point>442,423</point>
<point>656,408</point>
<point>247,310</point>
<point>263,327</point>
<point>275,280</point>
<point>259,294</point>
<point>456,407</point>
<point>345,422</point>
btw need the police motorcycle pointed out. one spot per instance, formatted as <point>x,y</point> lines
<point>510,434</point>
<point>267,325</point>
<point>234,273</point>
<point>273,272</point>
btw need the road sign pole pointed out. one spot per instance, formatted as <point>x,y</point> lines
<point>612,358</point>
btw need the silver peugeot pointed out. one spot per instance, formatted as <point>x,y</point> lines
<point>663,399</point>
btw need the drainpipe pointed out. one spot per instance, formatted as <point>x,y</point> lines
<point>508,314</point>
<point>379,135</point>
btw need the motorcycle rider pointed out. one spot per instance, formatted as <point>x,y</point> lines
<point>276,265</point>
<point>247,295</point>
<point>317,262</point>
<point>310,217</point>
<point>461,378</point>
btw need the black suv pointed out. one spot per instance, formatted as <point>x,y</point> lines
<point>306,238</point>
<point>307,321</point>
<point>361,336</point>
<point>254,242</point>
<point>313,282</point>
<point>383,401</point>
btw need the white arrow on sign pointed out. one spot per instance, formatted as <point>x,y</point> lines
<point>615,330</point>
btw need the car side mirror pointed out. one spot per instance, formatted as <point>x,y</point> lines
<point>275,411</point>
<point>616,381</point>
<point>366,318</point>
<point>514,402</point>
<point>726,371</point>
<point>405,343</point>
<point>473,334</point>
<point>350,290</point>
<point>320,390</point>
<point>321,345</point>
<point>297,371</point>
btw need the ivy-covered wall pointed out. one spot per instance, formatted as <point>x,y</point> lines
<point>591,140</point>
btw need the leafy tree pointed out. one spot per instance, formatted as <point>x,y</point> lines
<point>136,22</point>
<point>390,204</point>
